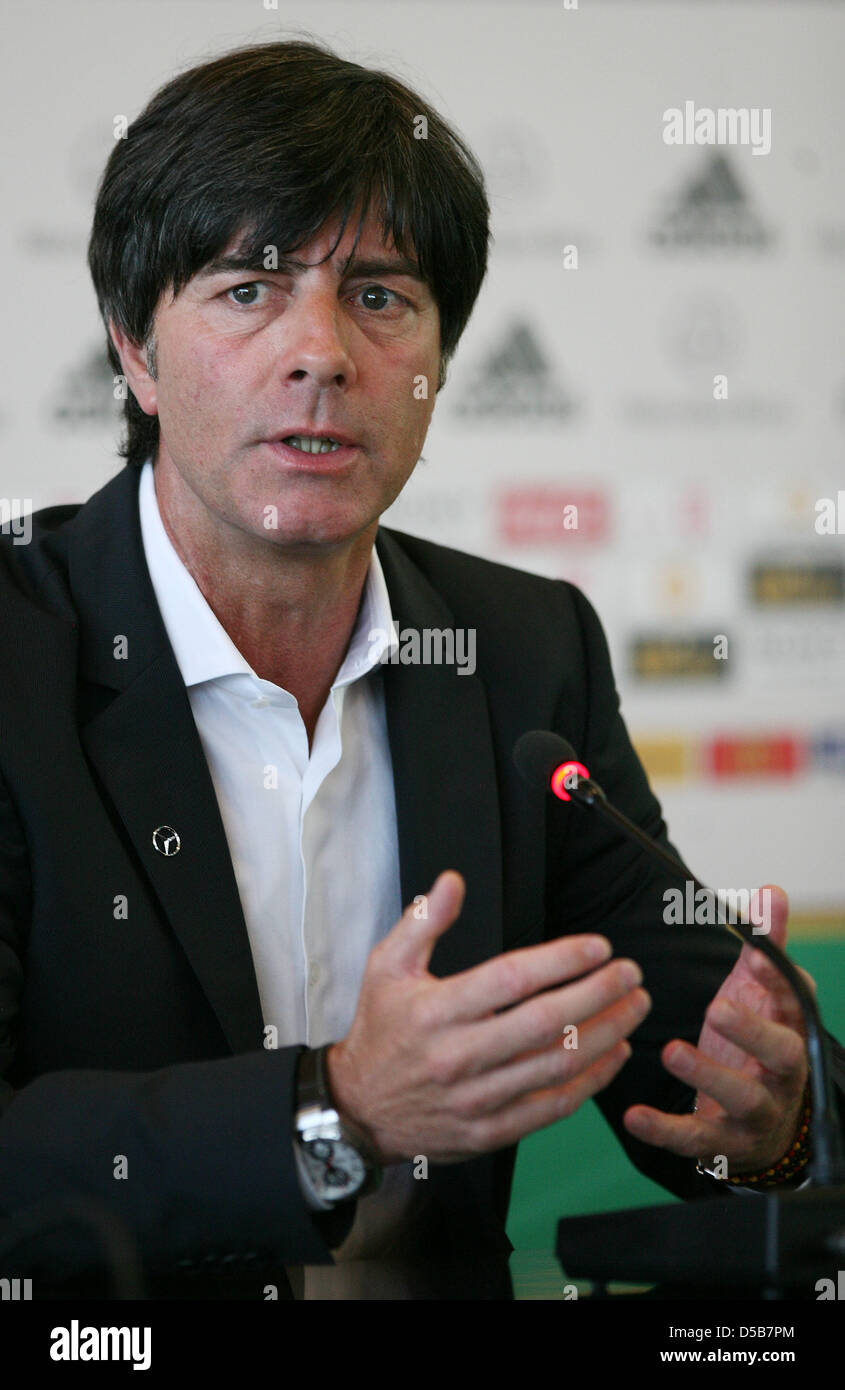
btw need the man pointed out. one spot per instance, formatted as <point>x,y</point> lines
<point>218,791</point>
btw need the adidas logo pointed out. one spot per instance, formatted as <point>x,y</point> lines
<point>86,396</point>
<point>711,211</point>
<point>514,381</point>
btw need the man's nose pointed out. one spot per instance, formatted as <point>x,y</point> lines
<point>313,338</point>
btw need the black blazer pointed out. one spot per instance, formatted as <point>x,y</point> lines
<point>136,1030</point>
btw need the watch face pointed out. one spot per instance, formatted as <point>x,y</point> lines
<point>335,1168</point>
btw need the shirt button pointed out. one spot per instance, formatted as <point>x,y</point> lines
<point>260,702</point>
<point>314,973</point>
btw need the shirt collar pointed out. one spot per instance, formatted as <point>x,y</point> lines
<point>203,649</point>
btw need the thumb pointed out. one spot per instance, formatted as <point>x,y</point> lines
<point>408,946</point>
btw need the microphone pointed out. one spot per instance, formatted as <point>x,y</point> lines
<point>547,761</point>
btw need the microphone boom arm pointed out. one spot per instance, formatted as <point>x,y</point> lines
<point>827,1163</point>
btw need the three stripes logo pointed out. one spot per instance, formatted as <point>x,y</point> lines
<point>711,212</point>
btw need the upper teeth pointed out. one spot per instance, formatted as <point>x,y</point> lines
<point>311,445</point>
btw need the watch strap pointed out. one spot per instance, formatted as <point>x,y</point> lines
<point>314,1093</point>
<point>312,1088</point>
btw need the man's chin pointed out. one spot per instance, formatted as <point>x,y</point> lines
<point>308,535</point>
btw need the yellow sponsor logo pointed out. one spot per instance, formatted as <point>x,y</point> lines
<point>667,658</point>
<point>668,759</point>
<point>784,584</point>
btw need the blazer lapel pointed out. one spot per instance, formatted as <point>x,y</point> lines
<point>444,772</point>
<point>143,743</point>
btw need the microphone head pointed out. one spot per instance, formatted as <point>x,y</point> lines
<point>538,753</point>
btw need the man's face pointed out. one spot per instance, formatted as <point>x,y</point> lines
<point>243,356</point>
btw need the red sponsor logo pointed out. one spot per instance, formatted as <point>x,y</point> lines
<point>766,756</point>
<point>544,515</point>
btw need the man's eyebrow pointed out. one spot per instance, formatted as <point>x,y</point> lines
<point>374,265</point>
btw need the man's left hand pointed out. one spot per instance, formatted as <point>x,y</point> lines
<point>749,1069</point>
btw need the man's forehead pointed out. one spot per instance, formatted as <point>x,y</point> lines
<point>373,254</point>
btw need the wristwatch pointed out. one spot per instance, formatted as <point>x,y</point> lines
<point>337,1160</point>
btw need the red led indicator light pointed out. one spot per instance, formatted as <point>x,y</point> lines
<point>568,771</point>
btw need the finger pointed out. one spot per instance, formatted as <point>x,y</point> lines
<point>769,911</point>
<point>742,1096</point>
<point>509,1125</point>
<point>776,1046</point>
<point>408,946</point>
<point>766,973</point>
<point>558,1064</point>
<point>767,917</point>
<point>541,1022</point>
<point>518,974</point>
<point>686,1135</point>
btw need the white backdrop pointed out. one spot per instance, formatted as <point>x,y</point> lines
<point>590,386</point>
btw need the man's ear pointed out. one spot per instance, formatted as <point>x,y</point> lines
<point>136,363</point>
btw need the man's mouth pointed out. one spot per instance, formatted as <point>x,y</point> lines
<point>312,444</point>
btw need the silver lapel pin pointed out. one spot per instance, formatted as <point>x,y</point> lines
<point>166,840</point>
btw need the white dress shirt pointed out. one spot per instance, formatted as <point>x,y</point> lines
<point>313,838</point>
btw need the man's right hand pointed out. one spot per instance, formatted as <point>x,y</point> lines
<point>433,1067</point>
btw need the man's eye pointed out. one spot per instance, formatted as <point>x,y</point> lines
<point>375,297</point>
<point>247,288</point>
<point>377,291</point>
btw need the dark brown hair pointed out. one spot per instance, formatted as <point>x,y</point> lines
<point>271,141</point>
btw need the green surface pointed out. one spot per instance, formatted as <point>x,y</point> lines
<point>552,1178</point>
